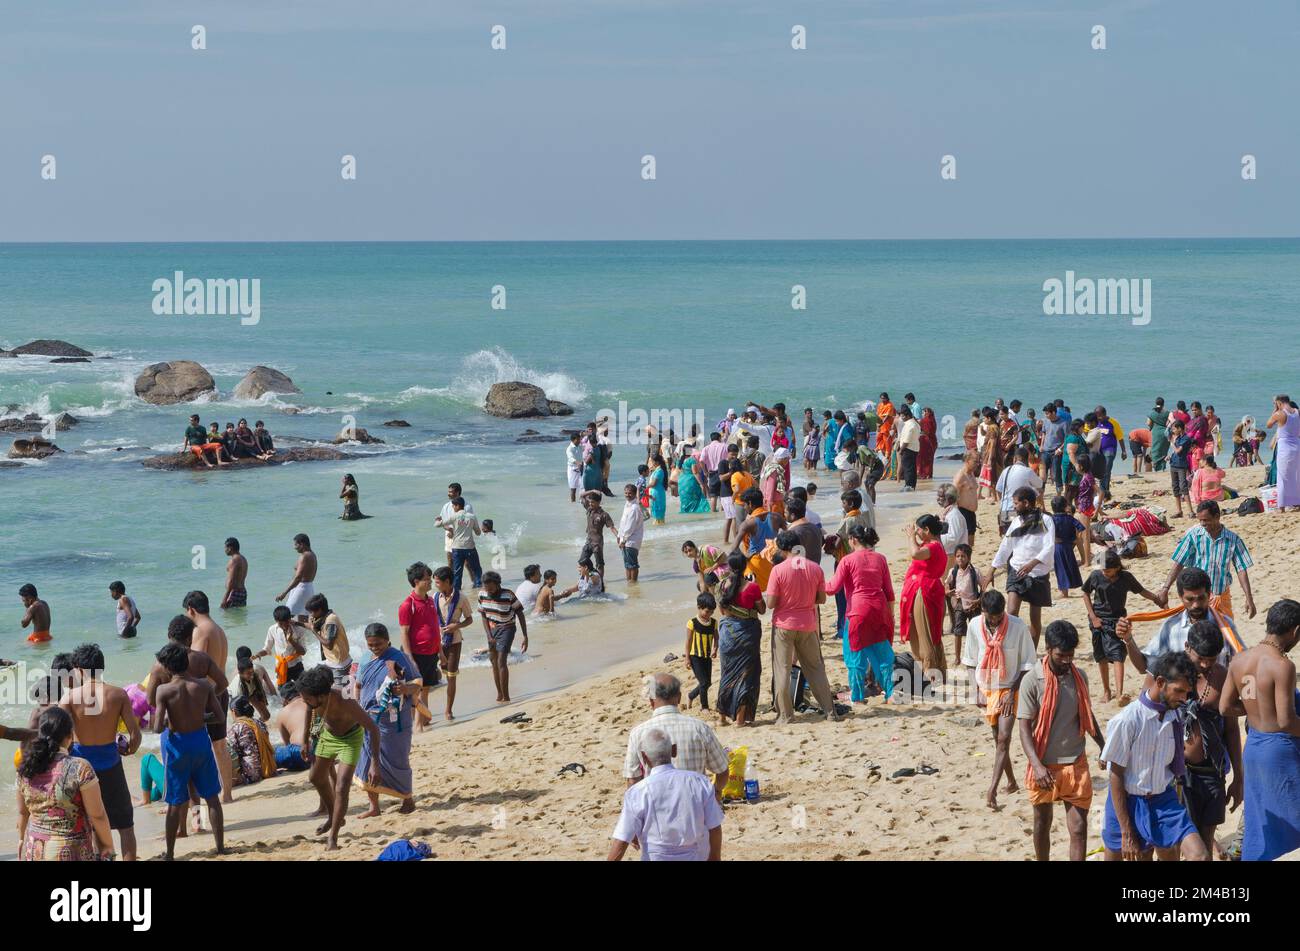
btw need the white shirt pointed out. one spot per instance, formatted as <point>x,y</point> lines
<point>813,517</point>
<point>1142,741</point>
<point>698,749</point>
<point>764,434</point>
<point>446,516</point>
<point>1016,476</point>
<point>909,435</point>
<point>1037,546</point>
<point>573,453</point>
<point>526,592</point>
<point>462,526</point>
<point>957,533</point>
<point>632,525</point>
<point>277,644</point>
<point>1017,648</point>
<point>670,813</point>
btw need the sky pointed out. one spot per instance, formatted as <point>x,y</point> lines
<point>243,141</point>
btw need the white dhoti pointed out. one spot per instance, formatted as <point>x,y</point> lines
<point>299,594</point>
<point>575,478</point>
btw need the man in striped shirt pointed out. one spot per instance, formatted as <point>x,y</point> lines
<point>1217,551</point>
<point>695,746</point>
<point>1144,752</point>
<point>501,610</point>
<point>1194,592</point>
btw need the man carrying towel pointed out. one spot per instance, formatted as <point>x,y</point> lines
<point>1144,750</point>
<point>1055,715</point>
<point>96,709</point>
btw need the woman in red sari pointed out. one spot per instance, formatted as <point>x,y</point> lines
<point>929,443</point>
<point>922,605</point>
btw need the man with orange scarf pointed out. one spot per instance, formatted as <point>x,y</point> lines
<point>1055,715</point>
<point>757,535</point>
<point>1000,650</point>
<point>885,433</point>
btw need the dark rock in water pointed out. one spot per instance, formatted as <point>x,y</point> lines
<point>187,460</point>
<point>329,392</point>
<point>262,380</point>
<point>356,435</point>
<point>397,423</point>
<point>540,438</point>
<point>518,400</point>
<point>65,421</point>
<point>71,360</point>
<point>32,423</point>
<point>36,448</point>
<point>51,348</point>
<point>176,382</point>
<point>529,432</point>
<point>5,463</point>
<point>8,353</point>
<point>572,432</point>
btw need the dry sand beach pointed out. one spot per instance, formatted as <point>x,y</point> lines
<point>488,790</point>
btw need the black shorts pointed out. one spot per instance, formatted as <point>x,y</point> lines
<point>1034,591</point>
<point>117,797</point>
<point>217,731</point>
<point>1206,796</point>
<point>1106,644</point>
<point>428,667</point>
<point>715,485</point>
<point>969,515</point>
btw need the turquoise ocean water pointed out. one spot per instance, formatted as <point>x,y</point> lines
<point>382,331</point>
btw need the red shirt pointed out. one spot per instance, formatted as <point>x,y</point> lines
<point>796,583</point>
<point>420,615</point>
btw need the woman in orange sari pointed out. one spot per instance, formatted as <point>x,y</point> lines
<point>885,433</point>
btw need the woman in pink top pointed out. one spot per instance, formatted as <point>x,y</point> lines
<point>921,616</point>
<point>1207,483</point>
<point>868,626</point>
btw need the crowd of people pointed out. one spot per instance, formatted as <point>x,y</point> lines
<point>215,447</point>
<point>1047,480</point>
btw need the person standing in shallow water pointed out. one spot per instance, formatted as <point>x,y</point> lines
<point>351,497</point>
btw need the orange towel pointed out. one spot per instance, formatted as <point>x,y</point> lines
<point>1220,604</point>
<point>994,660</point>
<point>38,637</point>
<point>1051,697</point>
<point>282,663</point>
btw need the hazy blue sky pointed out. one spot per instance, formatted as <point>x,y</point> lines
<point>156,141</point>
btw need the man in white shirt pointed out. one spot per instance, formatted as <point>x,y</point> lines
<point>1144,751</point>
<point>1015,476</point>
<point>631,529</point>
<point>1028,553</point>
<point>453,492</point>
<point>909,444</point>
<point>763,432</point>
<point>461,529</point>
<point>695,746</point>
<point>999,651</point>
<point>286,641</point>
<point>672,813</point>
<point>528,589</point>
<point>956,532</point>
<point>573,465</point>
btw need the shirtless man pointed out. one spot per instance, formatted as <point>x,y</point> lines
<point>346,725</point>
<point>304,574</point>
<point>184,704</point>
<point>181,630</point>
<point>95,708</point>
<point>211,639</point>
<point>37,614</point>
<point>236,595</point>
<point>967,484</point>
<point>1261,686</point>
<point>546,596</point>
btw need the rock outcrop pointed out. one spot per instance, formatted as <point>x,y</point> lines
<point>262,380</point>
<point>517,400</point>
<point>35,448</point>
<point>356,435</point>
<point>398,424</point>
<point>51,348</point>
<point>32,423</point>
<point>187,460</point>
<point>71,360</point>
<point>177,381</point>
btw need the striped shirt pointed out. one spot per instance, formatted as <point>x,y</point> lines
<point>1142,741</point>
<point>499,609</point>
<point>1172,636</point>
<point>698,749</point>
<point>1215,556</point>
<point>702,636</point>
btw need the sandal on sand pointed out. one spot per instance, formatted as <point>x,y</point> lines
<point>576,768</point>
<point>519,717</point>
<point>669,658</point>
<point>901,773</point>
<point>926,770</point>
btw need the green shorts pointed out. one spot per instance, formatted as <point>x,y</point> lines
<point>345,749</point>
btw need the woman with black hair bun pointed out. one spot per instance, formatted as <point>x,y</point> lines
<point>61,815</point>
<point>923,601</point>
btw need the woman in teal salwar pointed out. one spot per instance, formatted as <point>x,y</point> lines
<point>658,488</point>
<point>692,492</point>
<point>1158,423</point>
<point>868,625</point>
<point>830,441</point>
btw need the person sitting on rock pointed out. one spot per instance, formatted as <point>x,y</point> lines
<point>244,440</point>
<point>197,442</point>
<point>262,438</point>
<point>217,444</point>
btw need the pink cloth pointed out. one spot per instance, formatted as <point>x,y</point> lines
<point>139,703</point>
<point>868,590</point>
<point>713,454</point>
<point>796,583</point>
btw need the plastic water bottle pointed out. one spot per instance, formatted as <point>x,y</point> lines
<point>751,780</point>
